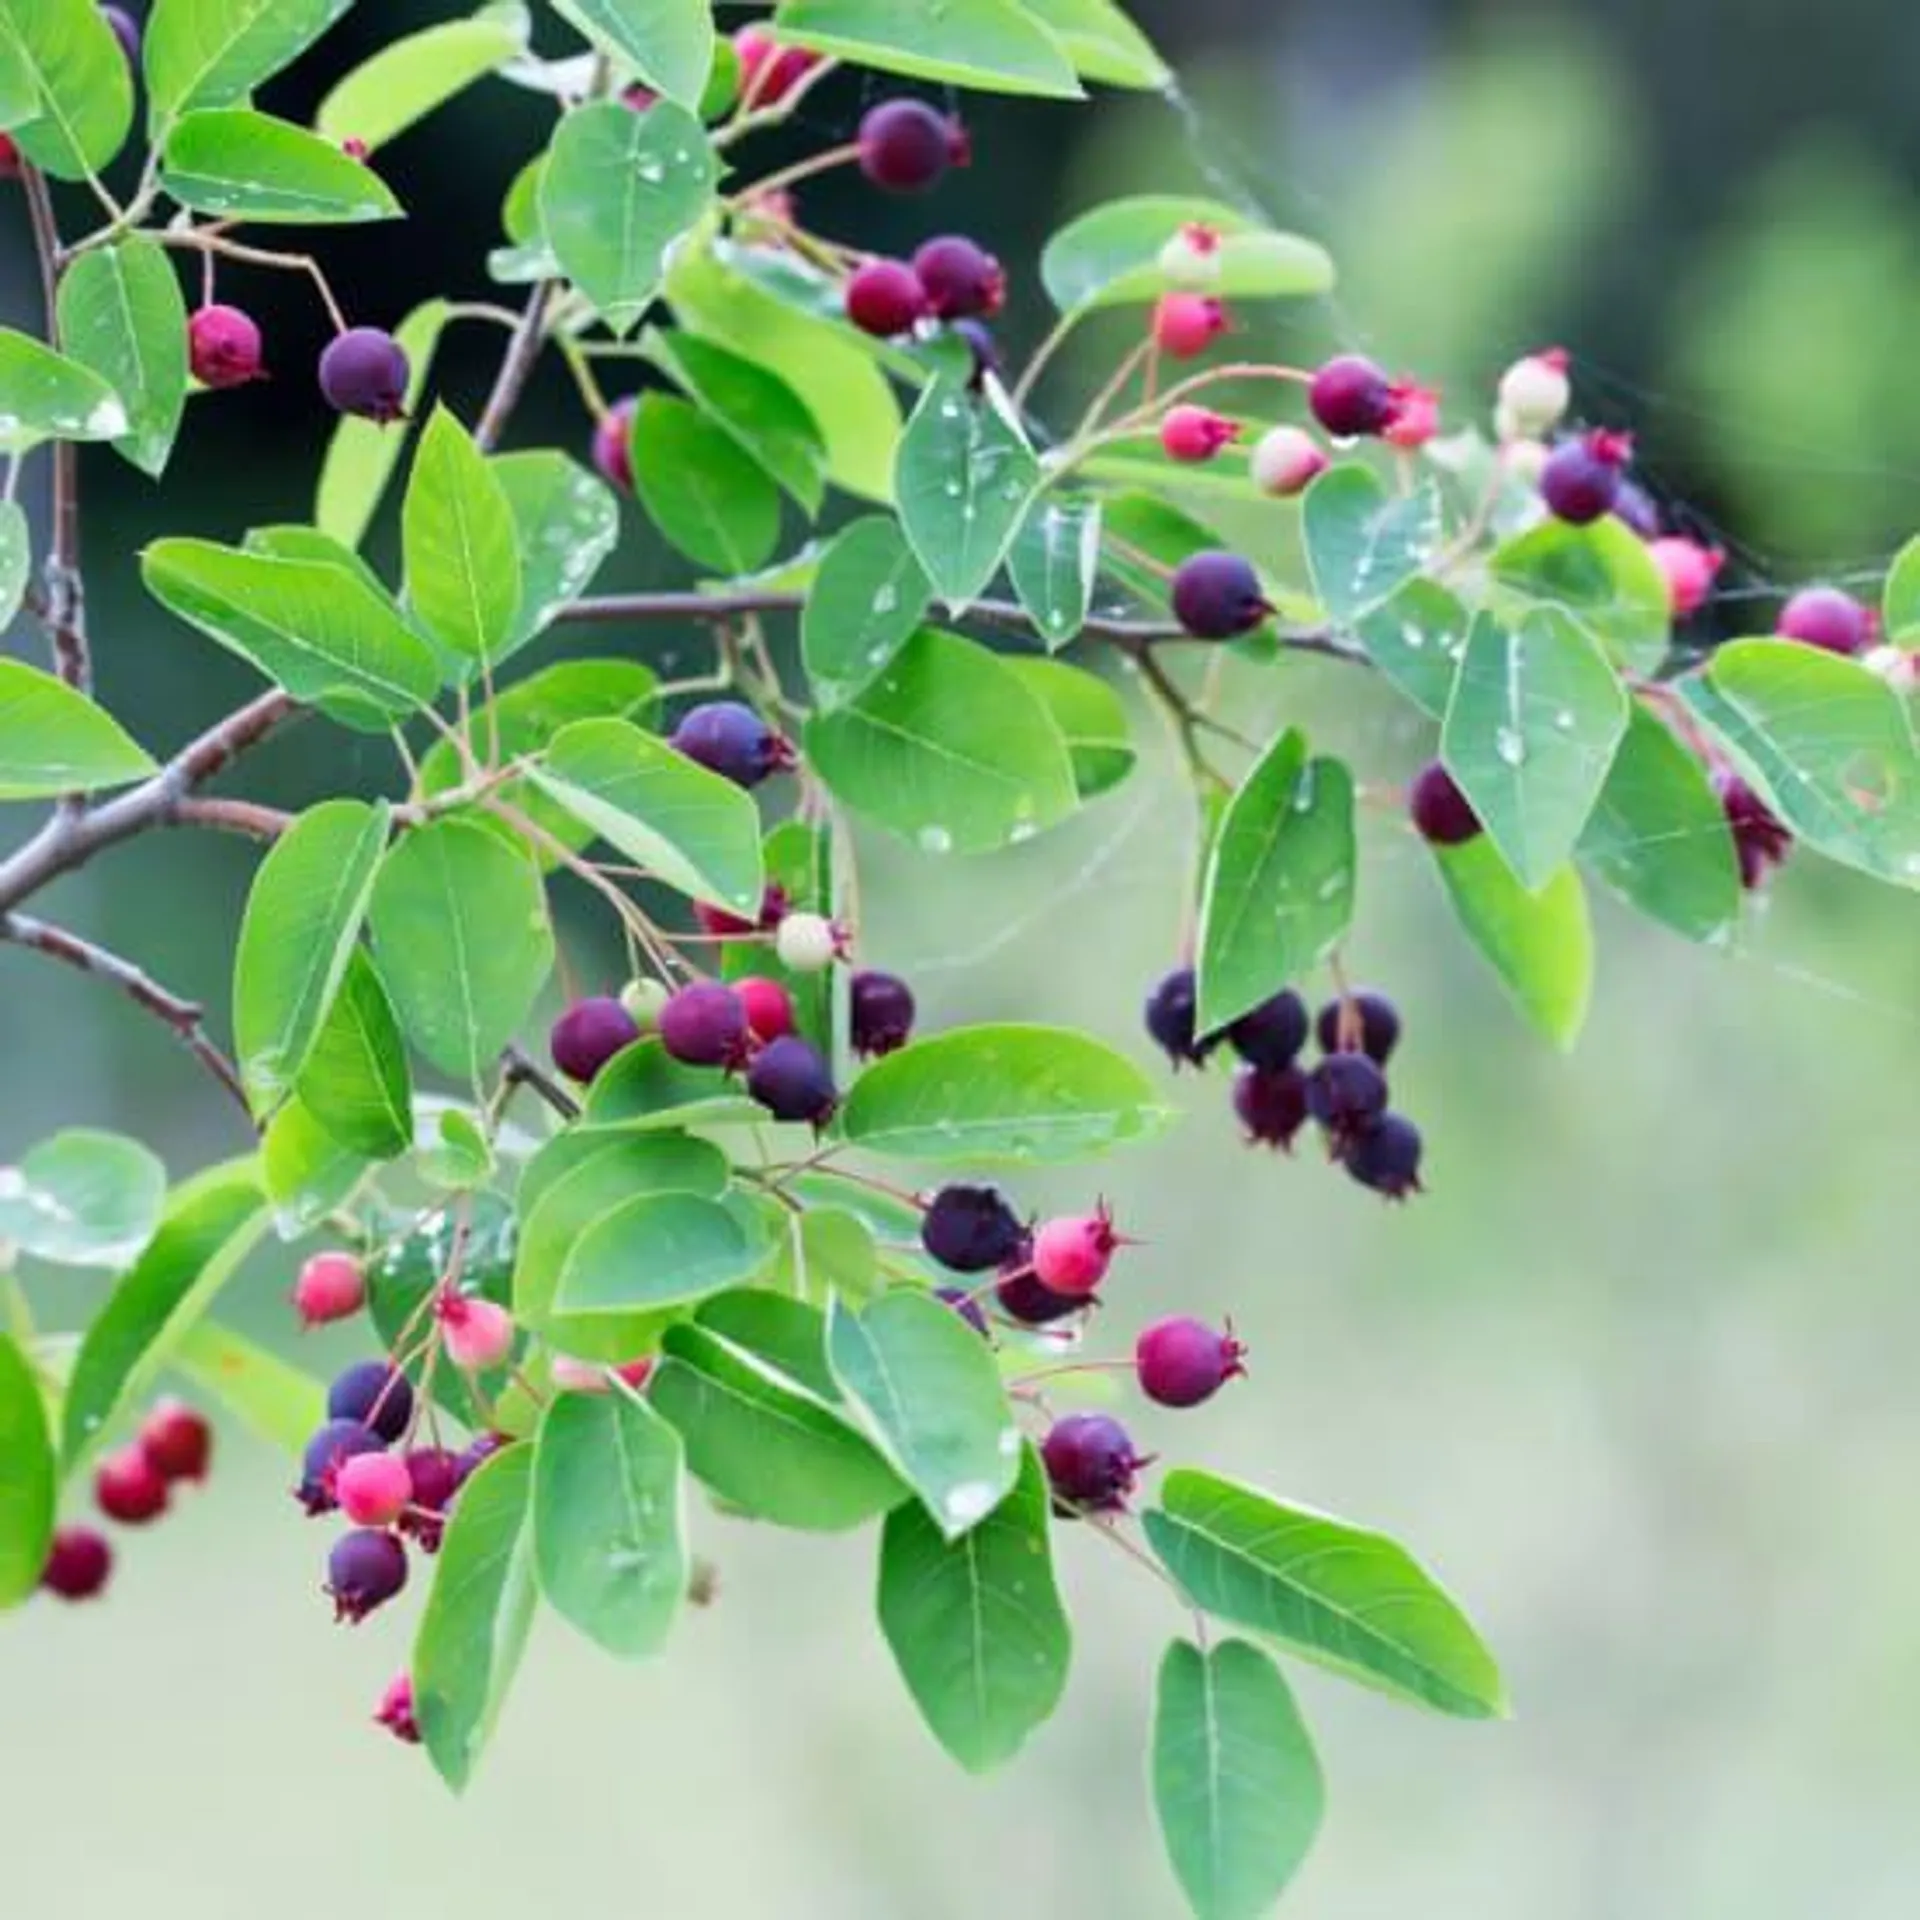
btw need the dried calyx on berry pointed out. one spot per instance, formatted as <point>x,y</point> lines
<point>365,1570</point>
<point>791,1079</point>
<point>1761,839</point>
<point>1384,1155</point>
<point>1346,1092</point>
<point>1272,1105</point>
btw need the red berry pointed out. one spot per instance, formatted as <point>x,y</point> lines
<point>1689,570</point>
<point>79,1560</point>
<point>129,1488</point>
<point>373,1489</point>
<point>1185,325</point>
<point>1182,1362</point>
<point>395,1711</point>
<point>434,1474</point>
<point>962,281</point>
<point>1272,1104</point>
<point>364,371</point>
<point>477,1333</point>
<point>769,1007</point>
<point>1217,596</point>
<point>223,347</point>
<point>1071,1254</point>
<point>1351,397</point>
<point>1196,433</point>
<point>906,146</point>
<point>1825,617</point>
<point>9,157</point>
<point>331,1286</point>
<point>613,444</point>
<point>1581,482</point>
<point>729,926</point>
<point>885,298</point>
<point>1441,813</point>
<point>768,70</point>
<point>354,147</point>
<point>364,1570</point>
<point>588,1035</point>
<point>178,1441</point>
<point>705,1025</point>
<point>1091,1462</point>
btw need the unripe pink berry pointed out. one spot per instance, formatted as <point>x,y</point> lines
<point>1287,461</point>
<point>1191,259</point>
<point>1196,433</point>
<point>612,444</point>
<point>1071,1254</point>
<point>1689,570</point>
<point>478,1333</point>
<point>808,942</point>
<point>768,70</point>
<point>1181,1362</point>
<point>1534,395</point>
<point>223,347</point>
<point>331,1286</point>
<point>1185,325</point>
<point>769,1007</point>
<point>395,1711</point>
<point>573,1375</point>
<point>373,1489</point>
<point>1416,417</point>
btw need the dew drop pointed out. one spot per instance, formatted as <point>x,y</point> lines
<point>887,599</point>
<point>1564,720</point>
<point>1510,747</point>
<point>935,840</point>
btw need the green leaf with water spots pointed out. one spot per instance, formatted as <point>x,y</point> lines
<point>705,493</point>
<point>46,396</point>
<point>868,598</point>
<point>1416,639</point>
<point>657,1250</point>
<point>83,1198</point>
<point>1363,543</point>
<point>213,53</point>
<point>963,478</point>
<point>1603,576</point>
<point>1054,561</point>
<point>123,316</point>
<point>669,43</point>
<point>565,524</point>
<point>236,164</point>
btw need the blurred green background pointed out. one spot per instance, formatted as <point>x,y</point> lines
<point>1638,1376</point>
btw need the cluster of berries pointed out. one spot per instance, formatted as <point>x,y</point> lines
<point>363,370</point>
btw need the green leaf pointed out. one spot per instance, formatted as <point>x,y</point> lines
<point>1162,533</point>
<point>1417,639</point>
<point>474,1629</point>
<point>609,1526</point>
<point>1539,943</point>
<point>458,536</point>
<point>28,1488</point>
<point>1536,718</point>
<point>242,165</point>
<point>459,1159</point>
<point>1236,1783</point>
<point>1054,561</point>
<point>308,1172</point>
<point>304,913</point>
<point>963,478</point>
<point>1354,1601</point>
<point>691,829</point>
<point>213,53</point>
<point>975,1624</point>
<point>16,559</point>
<point>948,748</point>
<point>1829,744</point>
<point>995,46</point>
<point>461,929</point>
<point>656,1250</point>
<point>1038,1096</point>
<point>362,454</point>
<point>929,1395</point>
<point>1603,576</point>
<point>1280,880</point>
<point>122,315</point>
<point>765,1441</point>
<point>280,1404</point>
<point>398,86</point>
<point>355,1082</point>
<point>566,523</point>
<point>618,189</point>
<point>1091,717</point>
<point>46,396</point>
<point>54,740</point>
<point>704,492</point>
<point>1900,598</point>
<point>82,87</point>
<point>785,1335</point>
<point>668,42</point>
<point>83,1199</point>
<point>1363,544</point>
<point>1111,254</point>
<point>214,1222</point>
<point>316,629</point>
<point>768,420</point>
<point>1659,835</point>
<point>1103,43</point>
<point>642,1088</point>
<point>868,598</point>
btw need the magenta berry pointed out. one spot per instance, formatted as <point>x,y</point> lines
<point>1182,1362</point>
<point>396,1712</point>
<point>1346,1092</point>
<point>962,281</point>
<point>434,1474</point>
<point>729,926</point>
<point>126,29</point>
<point>364,1571</point>
<point>477,1333</point>
<point>768,70</point>
<point>1185,325</point>
<point>1217,595</point>
<point>1363,1022</point>
<point>613,444</point>
<point>1071,1255</point>
<point>769,1007</point>
<point>880,1013</point>
<point>79,1563</point>
<point>1385,1156</point>
<point>336,1443</point>
<point>1171,1011</point>
<point>331,1286</point>
<point>588,1035</point>
<point>364,371</point>
<point>1272,1104</point>
<point>177,1440</point>
<point>1689,570</point>
<point>1091,1462</point>
<point>1196,434</point>
<point>705,1025</point>
<point>1415,419</point>
<point>128,1487</point>
<point>907,147</point>
<point>965,1305</point>
<point>1581,481</point>
<point>732,740</point>
<point>223,347</point>
<point>793,1082</point>
<point>1351,397</point>
<point>376,1393</point>
<point>1442,815</point>
<point>9,157</point>
<point>971,1228</point>
<point>373,1489</point>
<point>1826,618</point>
<point>1271,1034</point>
<point>1761,839</point>
<point>885,298</point>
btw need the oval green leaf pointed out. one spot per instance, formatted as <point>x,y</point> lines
<point>82,88</point>
<point>16,559</point>
<point>1540,944</point>
<point>241,165</point>
<point>28,1487</point>
<point>669,43</point>
<point>769,421</point>
<point>1417,639</point>
<point>868,598</point>
<point>355,1082</point>
<point>54,740</point>
<point>212,53</point>
<point>459,541</point>
<point>656,1250</point>
<point>993,45</point>
<point>1054,561</point>
<point>83,1199</point>
<point>1603,576</point>
<point>1091,717</point>
<point>1102,42</point>
<point>1363,544</point>
<point>408,78</point>
<point>122,315</point>
<point>46,396</point>
<point>566,523</point>
<point>705,493</point>
<point>963,477</point>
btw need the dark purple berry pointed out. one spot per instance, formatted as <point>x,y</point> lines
<point>338,1440</point>
<point>1761,839</point>
<point>588,1035</point>
<point>906,146</point>
<point>965,1305</point>
<point>1025,1297</point>
<point>1441,813</point>
<point>1371,1026</point>
<point>1091,1462</point>
<point>790,1079</point>
<point>1272,1105</point>
<point>1581,480</point>
<point>1182,1362</point>
<point>478,1451</point>
<point>962,281</point>
<point>1217,596</point>
<point>1351,397</point>
<point>1826,618</point>
<point>705,1025</point>
<point>1345,1093</point>
<point>1171,1012</point>
<point>984,349</point>
<point>126,29</point>
<point>885,298</point>
<point>1386,1157</point>
<point>365,371</point>
<point>1271,1034</point>
<point>436,1473</point>
<point>376,1393</point>
<point>364,1570</point>
<point>732,741</point>
<point>971,1228</point>
<point>880,1013</point>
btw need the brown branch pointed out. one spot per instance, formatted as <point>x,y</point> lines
<point>233,816</point>
<point>183,1016</point>
<point>523,1071</point>
<point>515,368</point>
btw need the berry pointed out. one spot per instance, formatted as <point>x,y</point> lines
<point>971,1229</point>
<point>1386,1157</point>
<point>375,1392</point>
<point>906,147</point>
<point>1217,596</point>
<point>1182,1362</point>
<point>643,1000</point>
<point>1024,1297</point>
<point>364,1570</point>
<point>984,349</point>
<point>365,371</point>
<point>1272,1105</point>
<point>1689,570</point>
<point>790,1079</point>
<point>128,1487</point>
<point>223,347</point>
<point>478,1333</point>
<point>1526,461</point>
<point>373,1489</point>
<point>572,1375</point>
<point>1191,258</point>
<point>178,1441</point>
<point>126,29</point>
<point>1441,813</point>
<point>1534,395</point>
<point>395,1711</point>
<point>1171,1010</point>
<point>434,1474</point>
<point>613,444</point>
<point>1416,417</point>
<point>1581,481</point>
<point>729,926</point>
<point>1826,618</point>
<point>1635,508</point>
<point>478,1451</point>
<point>1346,1092</point>
<point>808,942</point>
<point>965,1305</point>
<point>1071,1255</point>
<point>880,1013</point>
<point>1091,1462</point>
<point>588,1035</point>
<point>78,1563</point>
<point>962,281</point>
<point>733,741</point>
<point>1195,434</point>
<point>336,1443</point>
<point>635,1373</point>
<point>705,1025</point>
<point>1271,1034</point>
<point>1761,839</point>
<point>331,1286</point>
<point>768,70</point>
<point>1895,665</point>
<point>885,298</point>
<point>354,147</point>
<point>769,1007</point>
<point>1185,325</point>
<point>1287,461</point>
<point>1351,397</point>
<point>1372,1026</point>
<point>9,157</point>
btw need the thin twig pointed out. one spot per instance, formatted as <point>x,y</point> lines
<point>203,240</point>
<point>523,1071</point>
<point>515,368</point>
<point>234,816</point>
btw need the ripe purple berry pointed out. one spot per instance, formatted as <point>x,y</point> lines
<point>1217,596</point>
<point>338,1441</point>
<point>906,147</point>
<point>588,1035</point>
<point>962,281</point>
<point>1371,1026</point>
<point>790,1079</point>
<point>376,1393</point>
<point>1272,1105</point>
<point>1581,481</point>
<point>1182,1362</point>
<point>436,1473</point>
<point>223,347</point>
<point>365,371</point>
<point>1346,1092</point>
<point>364,1570</point>
<point>885,298</point>
<point>1271,1034</point>
<point>965,1305</point>
<point>705,1025</point>
<point>733,741</point>
<point>1091,1462</point>
<point>879,1013</point>
<point>971,1229</point>
<point>1351,397</point>
<point>1025,1297</point>
<point>1171,1012</point>
<point>79,1561</point>
<point>613,444</point>
<point>1442,815</point>
<point>1826,618</point>
<point>1386,1157</point>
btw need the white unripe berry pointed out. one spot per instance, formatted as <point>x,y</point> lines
<point>1190,261</point>
<point>1534,396</point>
<point>1285,461</point>
<point>1895,665</point>
<point>643,1000</point>
<point>807,942</point>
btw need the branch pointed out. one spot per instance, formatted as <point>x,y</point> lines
<point>183,1016</point>
<point>522,1071</point>
<point>233,816</point>
<point>515,368</point>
